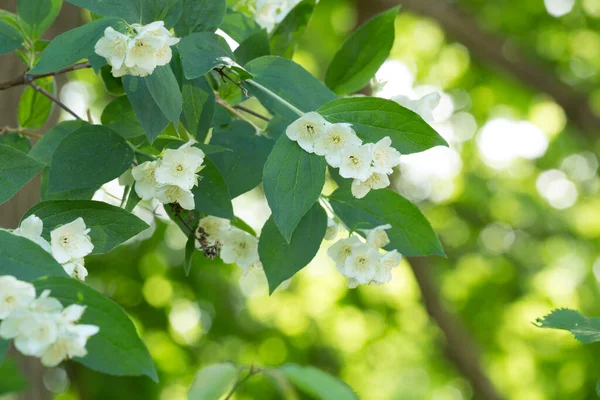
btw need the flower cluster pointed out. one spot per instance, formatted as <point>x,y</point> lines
<point>269,13</point>
<point>237,247</point>
<point>138,52</point>
<point>361,261</point>
<point>41,327</point>
<point>423,106</point>
<point>171,178</point>
<point>368,164</point>
<point>69,243</point>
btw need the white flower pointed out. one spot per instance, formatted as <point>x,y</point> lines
<point>76,269</point>
<point>332,229</point>
<point>376,181</point>
<point>239,248</point>
<point>157,30</point>
<point>356,162</point>
<point>71,241</point>
<point>385,157</point>
<point>307,129</point>
<point>71,342</point>
<point>168,194</point>
<point>193,153</point>
<point>423,106</point>
<point>215,228</point>
<point>341,250</point>
<point>126,178</point>
<point>377,237</point>
<point>336,138</point>
<point>145,180</point>
<point>31,228</point>
<point>141,51</point>
<point>179,167</point>
<point>271,12</point>
<point>14,295</point>
<point>361,263</point>
<point>134,71</point>
<point>113,47</point>
<point>383,271</point>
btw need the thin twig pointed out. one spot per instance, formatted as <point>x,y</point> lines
<point>235,112</point>
<point>252,112</point>
<point>23,132</point>
<point>224,76</point>
<point>53,98</point>
<point>25,79</point>
<point>253,371</point>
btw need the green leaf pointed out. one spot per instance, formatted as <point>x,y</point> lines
<point>213,381</point>
<point>75,194</point>
<point>586,330</point>
<point>168,11</point>
<point>116,349</point>
<point>26,260</point>
<point>16,169</point>
<point>293,180</point>
<point>119,116</point>
<point>34,107</point>
<point>4,345</point>
<point>112,84</point>
<point>239,223</point>
<point>12,380</point>
<point>164,89</point>
<point>361,55</point>
<point>45,147</point>
<point>239,26</point>
<point>148,113</point>
<point>16,141</point>
<point>200,16</point>
<point>35,16</point>
<point>282,259</point>
<point>255,46</point>
<point>273,86</point>
<point>288,33</point>
<point>242,167</point>
<point>90,156</point>
<point>198,107</point>
<point>212,195</point>
<point>203,51</point>
<point>132,200</point>
<point>72,46</point>
<point>10,37</point>
<point>373,119</point>
<point>410,234</point>
<point>317,383</point>
<point>190,246</point>
<point>128,10</point>
<point>109,225</point>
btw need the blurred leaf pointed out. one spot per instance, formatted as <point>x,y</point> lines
<point>148,113</point>
<point>34,107</point>
<point>374,118</point>
<point>239,223</point>
<point>585,330</point>
<point>200,16</point>
<point>361,55</point>
<point>109,225</point>
<point>282,259</point>
<point>111,84</point>
<point>10,37</point>
<point>239,26</point>
<point>212,195</point>
<point>198,107</point>
<point>190,247</point>
<point>317,383</point>
<point>12,380</point>
<point>288,33</point>
<point>411,234</point>
<point>203,51</point>
<point>117,348</point>
<point>256,45</point>
<point>293,180</point>
<point>213,381</point>
<point>4,345</point>
<point>119,116</point>
<point>35,16</point>
<point>16,169</point>
<point>164,89</point>
<point>16,141</point>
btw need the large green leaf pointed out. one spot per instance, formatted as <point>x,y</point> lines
<point>148,113</point>
<point>282,259</point>
<point>10,37</point>
<point>109,225</point>
<point>203,51</point>
<point>212,195</point>
<point>361,55</point>
<point>16,141</point>
<point>26,260</point>
<point>90,156</point>
<point>410,234</point>
<point>373,118</point>
<point>274,87</point>
<point>198,107</point>
<point>45,147</point>
<point>35,16</point>
<point>586,330</point>
<point>168,11</point>
<point>286,36</point>
<point>317,383</point>
<point>239,26</point>
<point>34,107</point>
<point>128,10</point>
<point>200,16</point>
<point>16,169</point>
<point>164,89</point>
<point>255,46</point>
<point>293,180</point>
<point>75,194</point>
<point>12,380</point>
<point>242,167</point>
<point>116,349</point>
<point>213,381</point>
<point>72,46</point>
<point>119,116</point>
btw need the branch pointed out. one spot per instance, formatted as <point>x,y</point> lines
<point>252,112</point>
<point>23,132</point>
<point>53,98</point>
<point>25,79</point>
<point>460,347</point>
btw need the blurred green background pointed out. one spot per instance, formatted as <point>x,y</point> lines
<point>514,200</point>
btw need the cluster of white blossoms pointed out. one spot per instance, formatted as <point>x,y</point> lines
<point>369,164</point>
<point>41,327</point>
<point>362,262</point>
<point>237,246</point>
<point>423,106</point>
<point>171,178</point>
<point>137,53</point>
<point>269,13</point>
<point>69,243</point>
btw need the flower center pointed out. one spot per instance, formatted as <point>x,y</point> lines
<point>9,299</point>
<point>64,240</point>
<point>354,160</point>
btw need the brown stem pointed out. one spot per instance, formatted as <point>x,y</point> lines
<point>252,112</point>
<point>26,79</point>
<point>23,132</point>
<point>253,371</point>
<point>53,98</point>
